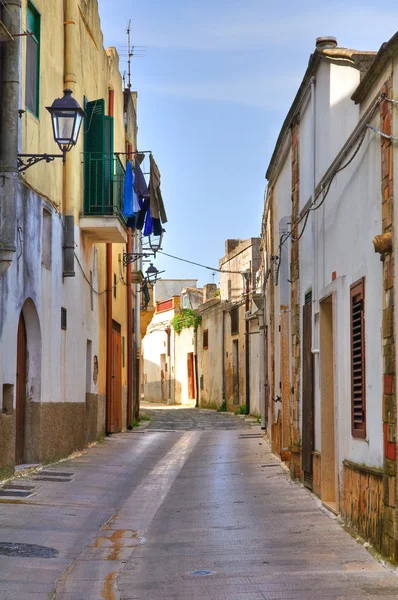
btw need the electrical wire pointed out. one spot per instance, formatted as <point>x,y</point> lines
<point>198,264</point>
<point>323,192</point>
<point>89,282</point>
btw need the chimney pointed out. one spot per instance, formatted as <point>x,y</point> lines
<point>231,245</point>
<point>325,42</point>
<point>209,291</point>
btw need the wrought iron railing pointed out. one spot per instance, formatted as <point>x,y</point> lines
<point>103,184</point>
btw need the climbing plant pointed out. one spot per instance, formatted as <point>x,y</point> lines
<point>184,319</point>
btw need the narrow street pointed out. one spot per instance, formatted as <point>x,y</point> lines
<point>193,506</point>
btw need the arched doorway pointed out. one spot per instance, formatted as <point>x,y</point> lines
<point>21,392</point>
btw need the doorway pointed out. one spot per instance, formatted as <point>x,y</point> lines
<point>162,377</point>
<point>115,401</point>
<point>327,367</point>
<point>235,370</point>
<point>191,380</point>
<point>21,392</point>
<point>308,393</point>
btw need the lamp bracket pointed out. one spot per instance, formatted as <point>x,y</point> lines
<point>130,257</point>
<point>28,160</point>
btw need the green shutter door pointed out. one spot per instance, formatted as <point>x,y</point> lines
<point>108,165</point>
<point>94,174</point>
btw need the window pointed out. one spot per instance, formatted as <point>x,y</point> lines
<point>46,239</point>
<point>358,378</point>
<point>185,301</point>
<point>32,75</point>
<point>114,285</point>
<point>234,320</point>
<point>64,318</point>
<point>206,338</point>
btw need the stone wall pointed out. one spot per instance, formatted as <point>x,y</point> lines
<point>390,542</point>
<point>362,501</point>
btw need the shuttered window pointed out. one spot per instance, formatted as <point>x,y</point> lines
<point>206,339</point>
<point>32,73</point>
<point>358,373</point>
<point>234,321</point>
<point>98,160</point>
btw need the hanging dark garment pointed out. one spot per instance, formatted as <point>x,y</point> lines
<point>157,227</point>
<point>142,214</point>
<point>131,222</point>
<point>140,185</point>
<point>156,200</point>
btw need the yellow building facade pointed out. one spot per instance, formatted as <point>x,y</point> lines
<point>67,293</point>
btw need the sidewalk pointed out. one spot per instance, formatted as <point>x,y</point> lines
<point>199,512</point>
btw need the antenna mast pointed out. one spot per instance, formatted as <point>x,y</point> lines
<point>129,55</point>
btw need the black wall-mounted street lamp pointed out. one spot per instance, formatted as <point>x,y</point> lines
<point>67,116</point>
<point>155,242</point>
<point>151,274</point>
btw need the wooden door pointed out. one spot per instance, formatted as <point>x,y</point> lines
<point>115,404</point>
<point>191,380</point>
<point>235,370</point>
<point>266,387</point>
<point>162,377</point>
<point>21,392</point>
<point>308,395</point>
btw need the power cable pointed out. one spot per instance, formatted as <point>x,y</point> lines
<point>89,282</point>
<point>198,264</point>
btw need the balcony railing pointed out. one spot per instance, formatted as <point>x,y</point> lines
<point>103,184</point>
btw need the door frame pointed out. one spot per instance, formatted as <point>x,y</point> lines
<point>191,376</point>
<point>328,394</point>
<point>308,395</point>
<point>235,372</point>
<point>21,384</point>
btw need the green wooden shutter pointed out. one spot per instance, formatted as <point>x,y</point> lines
<point>108,164</point>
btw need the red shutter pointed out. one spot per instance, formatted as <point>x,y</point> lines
<point>358,372</point>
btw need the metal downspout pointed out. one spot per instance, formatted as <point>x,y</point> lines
<point>314,349</point>
<point>196,367</point>
<point>247,346</point>
<point>9,176</point>
<point>223,356</point>
<point>109,296</point>
<point>68,171</point>
<point>130,357</point>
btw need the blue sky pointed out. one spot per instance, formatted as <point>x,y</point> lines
<point>213,89</point>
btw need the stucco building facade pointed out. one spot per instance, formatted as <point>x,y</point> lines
<point>330,321</point>
<point>68,308</point>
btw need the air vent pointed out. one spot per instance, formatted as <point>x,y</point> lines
<point>308,297</point>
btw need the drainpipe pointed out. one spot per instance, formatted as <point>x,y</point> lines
<point>109,295</point>
<point>129,423</point>
<point>9,177</point>
<point>314,349</point>
<point>195,334</point>
<point>223,356</point>
<point>69,170</point>
<point>137,357</point>
<point>247,344</point>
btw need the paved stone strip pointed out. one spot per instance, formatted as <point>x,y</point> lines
<point>234,511</point>
<point>188,419</point>
<point>94,573</point>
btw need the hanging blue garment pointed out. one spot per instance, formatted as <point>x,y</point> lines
<point>128,210</point>
<point>148,229</point>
